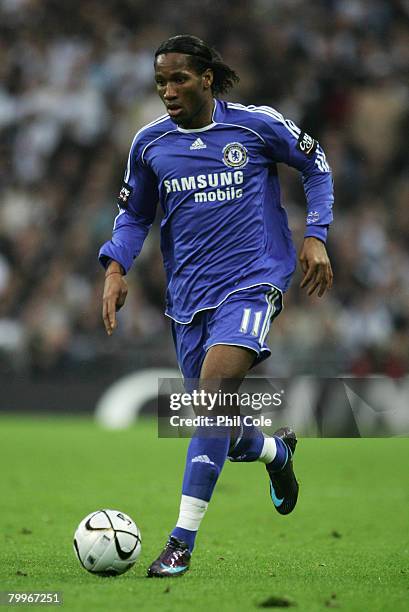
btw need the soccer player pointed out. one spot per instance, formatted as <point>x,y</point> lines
<point>227,253</point>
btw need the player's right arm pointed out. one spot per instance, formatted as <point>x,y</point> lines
<point>114,296</point>
<point>137,206</point>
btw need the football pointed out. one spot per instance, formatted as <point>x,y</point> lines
<point>107,542</point>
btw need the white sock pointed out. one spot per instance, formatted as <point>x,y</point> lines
<point>191,512</point>
<point>268,451</point>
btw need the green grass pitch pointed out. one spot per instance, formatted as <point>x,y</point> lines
<point>346,546</point>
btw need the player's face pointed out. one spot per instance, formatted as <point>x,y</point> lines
<point>186,94</point>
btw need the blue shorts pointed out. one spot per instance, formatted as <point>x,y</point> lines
<point>243,319</point>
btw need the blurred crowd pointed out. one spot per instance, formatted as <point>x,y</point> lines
<point>75,85</point>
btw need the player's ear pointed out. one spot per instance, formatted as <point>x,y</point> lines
<point>207,78</point>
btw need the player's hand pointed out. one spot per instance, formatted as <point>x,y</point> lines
<point>115,292</point>
<point>316,266</point>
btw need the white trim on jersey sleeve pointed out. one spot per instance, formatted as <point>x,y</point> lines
<point>270,112</point>
<point>320,161</point>
<point>153,123</point>
<point>154,140</point>
<point>243,127</point>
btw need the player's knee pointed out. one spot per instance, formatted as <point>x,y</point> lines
<point>226,365</point>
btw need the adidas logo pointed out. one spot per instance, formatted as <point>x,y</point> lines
<point>202,459</point>
<point>198,144</point>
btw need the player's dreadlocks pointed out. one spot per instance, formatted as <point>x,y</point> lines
<point>201,57</point>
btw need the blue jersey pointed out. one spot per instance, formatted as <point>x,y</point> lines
<point>223,228</point>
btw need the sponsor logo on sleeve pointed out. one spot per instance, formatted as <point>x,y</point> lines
<point>306,144</point>
<point>124,195</point>
<point>312,217</point>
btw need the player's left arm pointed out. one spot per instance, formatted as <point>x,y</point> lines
<point>307,156</point>
<point>299,150</point>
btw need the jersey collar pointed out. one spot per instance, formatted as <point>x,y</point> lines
<point>206,127</point>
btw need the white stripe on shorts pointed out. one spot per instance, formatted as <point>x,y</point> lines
<point>270,298</point>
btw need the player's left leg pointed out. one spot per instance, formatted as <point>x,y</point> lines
<point>245,319</point>
<point>276,452</point>
<point>223,370</point>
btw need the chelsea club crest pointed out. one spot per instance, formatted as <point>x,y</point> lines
<point>235,155</point>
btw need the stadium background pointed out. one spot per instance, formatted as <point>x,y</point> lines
<point>76,83</point>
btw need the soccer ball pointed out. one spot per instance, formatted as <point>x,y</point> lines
<point>107,542</point>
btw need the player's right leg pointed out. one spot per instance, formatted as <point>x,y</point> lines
<point>223,369</point>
